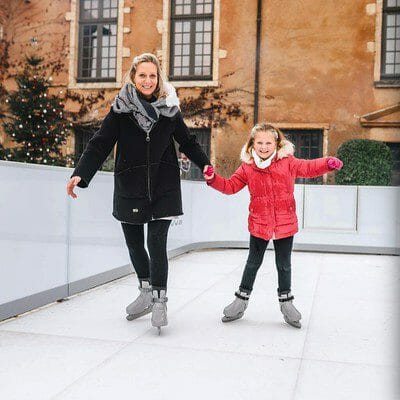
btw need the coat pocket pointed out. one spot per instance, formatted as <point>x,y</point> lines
<point>131,182</point>
<point>166,178</point>
<point>291,205</point>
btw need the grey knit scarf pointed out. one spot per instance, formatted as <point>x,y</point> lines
<point>127,101</point>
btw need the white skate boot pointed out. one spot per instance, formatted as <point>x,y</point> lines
<point>159,313</point>
<point>143,304</point>
<point>290,313</point>
<point>236,309</point>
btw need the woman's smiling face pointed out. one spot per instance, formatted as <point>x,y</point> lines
<point>146,79</point>
<point>264,144</point>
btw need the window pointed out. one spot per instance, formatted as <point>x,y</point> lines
<point>191,40</point>
<point>190,171</point>
<point>390,64</point>
<point>308,145</point>
<point>82,136</point>
<point>395,149</point>
<point>97,40</point>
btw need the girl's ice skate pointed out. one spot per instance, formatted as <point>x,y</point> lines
<point>143,304</point>
<point>290,313</point>
<point>159,313</point>
<point>236,309</point>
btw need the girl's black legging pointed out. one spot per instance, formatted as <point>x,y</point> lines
<point>153,268</point>
<point>283,252</point>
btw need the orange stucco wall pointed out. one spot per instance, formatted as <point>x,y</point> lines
<point>316,68</point>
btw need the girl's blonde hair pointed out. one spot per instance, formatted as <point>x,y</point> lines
<point>264,127</point>
<point>147,57</point>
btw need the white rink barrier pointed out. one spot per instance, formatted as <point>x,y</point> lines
<point>52,246</point>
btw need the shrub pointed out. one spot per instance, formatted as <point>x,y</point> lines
<point>366,162</point>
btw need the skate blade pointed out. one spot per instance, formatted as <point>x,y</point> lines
<point>131,317</point>
<point>159,325</point>
<point>295,324</point>
<point>230,319</point>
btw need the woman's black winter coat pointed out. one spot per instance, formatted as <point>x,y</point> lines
<point>147,174</point>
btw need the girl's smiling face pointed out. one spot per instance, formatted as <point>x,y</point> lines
<point>264,144</point>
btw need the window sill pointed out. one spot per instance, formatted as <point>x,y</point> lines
<point>95,85</point>
<point>387,84</point>
<point>190,84</point>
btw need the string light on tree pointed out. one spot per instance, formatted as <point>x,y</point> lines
<point>34,126</point>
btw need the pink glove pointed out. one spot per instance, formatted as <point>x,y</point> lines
<point>209,172</point>
<point>334,163</point>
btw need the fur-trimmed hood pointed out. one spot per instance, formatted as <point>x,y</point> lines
<point>285,151</point>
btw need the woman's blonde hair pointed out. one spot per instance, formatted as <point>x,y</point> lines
<point>265,127</point>
<point>147,57</point>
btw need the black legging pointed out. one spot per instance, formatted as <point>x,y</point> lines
<point>155,268</point>
<point>283,252</point>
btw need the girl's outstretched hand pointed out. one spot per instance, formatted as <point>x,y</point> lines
<point>71,185</point>
<point>334,163</point>
<point>208,172</point>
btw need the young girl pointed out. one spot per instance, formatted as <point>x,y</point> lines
<point>269,169</point>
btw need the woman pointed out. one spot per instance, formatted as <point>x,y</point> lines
<point>269,169</point>
<point>144,121</point>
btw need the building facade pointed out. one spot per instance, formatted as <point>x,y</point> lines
<point>323,71</point>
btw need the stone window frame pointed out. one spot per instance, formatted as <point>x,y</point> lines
<point>73,18</point>
<point>396,10</point>
<point>324,127</point>
<point>378,82</point>
<point>191,21</point>
<point>166,42</point>
<point>100,23</point>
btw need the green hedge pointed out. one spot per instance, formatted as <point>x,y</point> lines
<point>366,162</point>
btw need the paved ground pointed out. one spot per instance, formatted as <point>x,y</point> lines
<point>85,349</point>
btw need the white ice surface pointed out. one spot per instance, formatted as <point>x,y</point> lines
<point>348,348</point>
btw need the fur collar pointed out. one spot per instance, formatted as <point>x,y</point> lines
<point>285,151</point>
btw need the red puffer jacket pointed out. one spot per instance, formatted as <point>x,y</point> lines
<point>272,205</point>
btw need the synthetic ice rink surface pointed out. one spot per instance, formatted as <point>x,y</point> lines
<point>85,349</point>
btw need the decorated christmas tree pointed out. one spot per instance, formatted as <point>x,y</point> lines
<point>36,124</point>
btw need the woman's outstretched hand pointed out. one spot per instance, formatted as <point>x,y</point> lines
<point>334,163</point>
<point>208,172</point>
<point>71,185</point>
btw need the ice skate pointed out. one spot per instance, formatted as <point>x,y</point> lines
<point>290,313</point>
<point>143,304</point>
<point>159,313</point>
<point>236,309</point>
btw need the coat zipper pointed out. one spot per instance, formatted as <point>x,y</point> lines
<point>273,193</point>
<point>148,165</point>
<point>148,159</point>
<point>148,153</point>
